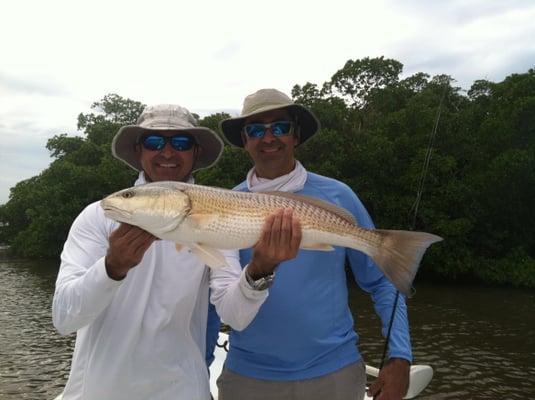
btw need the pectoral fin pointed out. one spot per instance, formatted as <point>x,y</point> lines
<point>318,247</point>
<point>210,256</point>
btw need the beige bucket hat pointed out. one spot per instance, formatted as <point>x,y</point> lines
<point>166,117</point>
<point>269,100</point>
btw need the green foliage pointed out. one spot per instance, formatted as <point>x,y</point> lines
<point>41,209</point>
<point>359,79</point>
<point>479,189</point>
<point>516,268</point>
<point>233,164</point>
<point>376,135</point>
<point>112,112</point>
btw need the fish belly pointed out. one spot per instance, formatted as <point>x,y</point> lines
<point>217,234</point>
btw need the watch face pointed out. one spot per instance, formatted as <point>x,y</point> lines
<point>262,283</point>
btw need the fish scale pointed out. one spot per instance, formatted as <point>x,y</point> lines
<point>207,219</point>
<point>248,207</point>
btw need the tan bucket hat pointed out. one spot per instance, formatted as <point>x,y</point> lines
<point>269,100</point>
<point>166,117</point>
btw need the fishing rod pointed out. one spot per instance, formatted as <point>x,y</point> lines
<point>415,207</point>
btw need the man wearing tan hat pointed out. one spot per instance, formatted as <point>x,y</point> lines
<point>139,306</point>
<point>301,344</point>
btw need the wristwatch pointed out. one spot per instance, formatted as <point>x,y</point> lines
<point>261,283</point>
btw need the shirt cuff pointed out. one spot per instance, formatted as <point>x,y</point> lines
<point>101,278</point>
<point>401,354</point>
<point>247,289</point>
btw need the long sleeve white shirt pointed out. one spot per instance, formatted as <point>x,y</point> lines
<point>142,337</point>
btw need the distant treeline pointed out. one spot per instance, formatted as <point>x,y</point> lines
<point>469,156</point>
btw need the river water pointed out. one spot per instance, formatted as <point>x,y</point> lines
<point>480,341</point>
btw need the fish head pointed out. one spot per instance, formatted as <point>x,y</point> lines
<point>155,207</point>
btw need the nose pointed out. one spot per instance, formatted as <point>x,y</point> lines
<point>167,150</point>
<point>268,136</point>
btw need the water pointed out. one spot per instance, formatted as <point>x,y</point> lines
<point>34,359</point>
<point>480,341</point>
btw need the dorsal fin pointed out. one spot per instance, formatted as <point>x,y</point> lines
<point>339,211</point>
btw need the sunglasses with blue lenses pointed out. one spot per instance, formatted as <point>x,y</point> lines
<point>278,128</point>
<point>156,142</point>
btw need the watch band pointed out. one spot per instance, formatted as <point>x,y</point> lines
<point>261,283</point>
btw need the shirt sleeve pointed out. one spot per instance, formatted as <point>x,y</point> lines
<point>236,302</point>
<point>212,333</point>
<point>371,279</point>
<point>83,288</point>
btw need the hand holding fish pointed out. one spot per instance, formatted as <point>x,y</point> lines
<point>128,244</point>
<point>392,382</point>
<point>279,241</point>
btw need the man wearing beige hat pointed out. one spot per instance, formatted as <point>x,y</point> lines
<point>138,305</point>
<point>302,344</point>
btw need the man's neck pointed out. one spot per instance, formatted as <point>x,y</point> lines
<point>187,179</point>
<point>273,173</point>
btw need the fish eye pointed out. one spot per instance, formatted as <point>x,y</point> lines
<point>128,194</point>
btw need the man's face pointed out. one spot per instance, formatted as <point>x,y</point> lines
<point>166,164</point>
<point>273,156</point>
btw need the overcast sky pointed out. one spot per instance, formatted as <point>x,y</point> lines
<point>58,57</point>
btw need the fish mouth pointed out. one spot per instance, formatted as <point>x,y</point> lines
<point>115,212</point>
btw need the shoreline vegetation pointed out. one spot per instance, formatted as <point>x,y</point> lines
<point>376,135</point>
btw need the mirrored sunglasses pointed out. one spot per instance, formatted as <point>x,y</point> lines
<point>278,128</point>
<point>156,142</point>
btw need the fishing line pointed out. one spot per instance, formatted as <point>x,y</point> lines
<point>385,348</point>
<point>427,159</point>
<point>389,330</point>
<point>415,206</point>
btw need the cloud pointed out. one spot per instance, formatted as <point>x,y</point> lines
<point>207,56</point>
<point>228,51</point>
<point>21,157</point>
<point>204,112</point>
<point>28,120</point>
<point>460,11</point>
<point>29,85</point>
<point>468,41</point>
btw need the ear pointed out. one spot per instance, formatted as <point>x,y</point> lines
<point>243,138</point>
<point>297,137</point>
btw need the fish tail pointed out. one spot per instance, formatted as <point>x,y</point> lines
<point>400,254</point>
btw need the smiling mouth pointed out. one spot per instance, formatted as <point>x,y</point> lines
<point>270,150</point>
<point>167,165</point>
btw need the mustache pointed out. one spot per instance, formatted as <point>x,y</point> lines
<point>272,146</point>
<point>170,160</point>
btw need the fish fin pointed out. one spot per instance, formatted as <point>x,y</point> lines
<point>399,255</point>
<point>318,247</point>
<point>341,212</point>
<point>209,255</point>
<point>178,246</point>
<point>199,220</point>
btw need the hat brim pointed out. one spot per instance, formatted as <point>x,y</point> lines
<point>124,143</point>
<point>308,123</point>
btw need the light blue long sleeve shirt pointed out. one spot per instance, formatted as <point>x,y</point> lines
<point>305,327</point>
